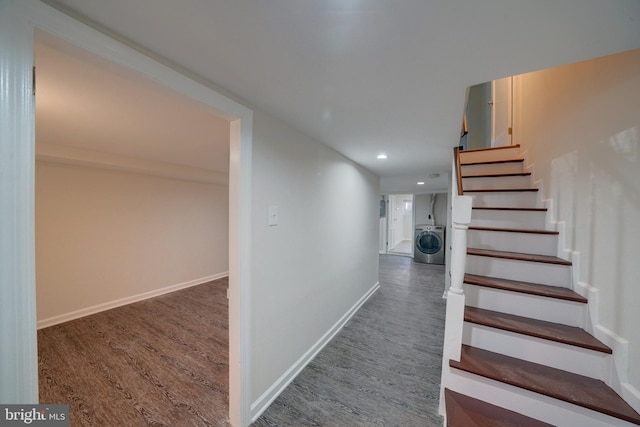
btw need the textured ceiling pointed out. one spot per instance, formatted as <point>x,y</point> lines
<point>365,76</point>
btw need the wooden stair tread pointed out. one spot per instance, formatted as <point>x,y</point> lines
<point>500,208</point>
<point>556,383</point>
<point>489,162</point>
<point>556,332</point>
<point>465,411</point>
<point>502,147</point>
<point>502,190</point>
<point>556,292</point>
<point>514,230</point>
<point>518,256</point>
<point>497,175</point>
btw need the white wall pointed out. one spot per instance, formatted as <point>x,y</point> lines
<point>479,116</point>
<point>440,209</point>
<point>103,236</point>
<point>580,127</point>
<point>309,270</point>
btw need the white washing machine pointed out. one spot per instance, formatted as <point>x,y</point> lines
<point>429,244</point>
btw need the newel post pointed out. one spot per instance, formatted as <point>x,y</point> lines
<point>454,318</point>
<point>461,217</point>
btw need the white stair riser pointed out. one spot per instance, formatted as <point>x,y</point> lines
<point>496,182</point>
<point>505,199</point>
<point>508,219</point>
<point>534,405</point>
<point>533,306</point>
<point>490,155</point>
<point>492,168</point>
<point>531,243</point>
<point>526,271</point>
<point>569,358</point>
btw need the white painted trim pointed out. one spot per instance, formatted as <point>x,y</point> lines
<point>240,271</point>
<point>632,396</point>
<point>619,375</point>
<point>263,402</point>
<point>52,21</point>
<point>19,348</point>
<point>42,17</point>
<point>88,158</point>
<point>45,323</point>
<point>620,367</point>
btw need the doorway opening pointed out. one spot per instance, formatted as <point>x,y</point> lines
<point>400,224</point>
<point>488,115</point>
<point>124,175</point>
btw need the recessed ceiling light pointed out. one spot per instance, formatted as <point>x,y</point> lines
<point>420,182</point>
<point>382,156</point>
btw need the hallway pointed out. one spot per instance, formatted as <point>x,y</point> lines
<point>384,367</point>
<point>402,248</point>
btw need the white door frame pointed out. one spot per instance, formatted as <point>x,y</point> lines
<point>391,205</point>
<point>18,352</point>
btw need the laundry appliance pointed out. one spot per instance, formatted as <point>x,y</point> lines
<point>429,244</point>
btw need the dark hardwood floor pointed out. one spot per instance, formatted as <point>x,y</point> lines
<point>164,361</point>
<point>383,368</point>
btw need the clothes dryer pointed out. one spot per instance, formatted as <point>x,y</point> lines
<point>429,244</point>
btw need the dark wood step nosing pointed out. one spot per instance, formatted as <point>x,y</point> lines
<point>497,175</point>
<point>528,288</point>
<point>501,190</point>
<point>549,331</point>
<point>515,230</point>
<point>502,147</point>
<point>506,208</point>
<point>491,162</point>
<point>518,256</point>
<point>529,371</point>
<point>463,410</point>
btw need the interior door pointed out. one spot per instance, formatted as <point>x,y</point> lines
<point>501,98</point>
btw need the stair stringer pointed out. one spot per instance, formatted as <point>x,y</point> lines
<point>618,376</point>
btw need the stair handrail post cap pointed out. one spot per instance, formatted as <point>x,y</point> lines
<point>462,210</point>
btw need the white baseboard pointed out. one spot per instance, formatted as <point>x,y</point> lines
<point>631,395</point>
<point>263,402</point>
<point>44,323</point>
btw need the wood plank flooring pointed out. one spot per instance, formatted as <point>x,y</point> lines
<point>383,368</point>
<point>162,361</point>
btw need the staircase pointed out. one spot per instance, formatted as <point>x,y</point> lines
<point>526,358</point>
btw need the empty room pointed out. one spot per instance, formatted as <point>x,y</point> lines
<point>131,243</point>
